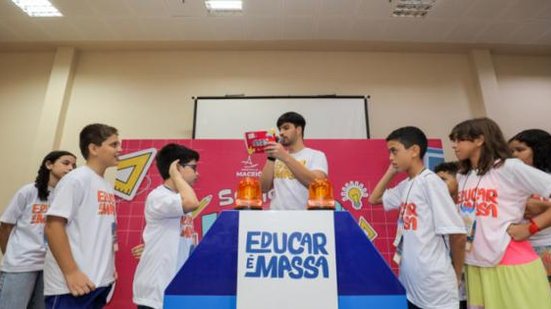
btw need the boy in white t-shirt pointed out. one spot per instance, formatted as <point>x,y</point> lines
<point>427,222</point>
<point>447,171</point>
<point>167,239</point>
<point>291,167</point>
<point>79,268</point>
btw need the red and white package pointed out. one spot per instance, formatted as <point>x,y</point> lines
<point>255,141</point>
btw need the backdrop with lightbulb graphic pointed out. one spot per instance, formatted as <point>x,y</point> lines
<point>355,166</point>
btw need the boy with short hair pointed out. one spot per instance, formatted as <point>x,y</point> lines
<point>167,241</point>
<point>427,215</point>
<point>79,268</point>
<point>447,171</point>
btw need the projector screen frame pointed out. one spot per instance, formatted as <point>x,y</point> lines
<point>235,97</point>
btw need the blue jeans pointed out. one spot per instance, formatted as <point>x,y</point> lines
<point>93,300</point>
<point>22,290</point>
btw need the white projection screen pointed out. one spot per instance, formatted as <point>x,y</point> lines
<point>327,117</point>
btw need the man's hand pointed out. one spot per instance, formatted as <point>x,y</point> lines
<point>519,232</point>
<point>276,150</point>
<point>79,284</point>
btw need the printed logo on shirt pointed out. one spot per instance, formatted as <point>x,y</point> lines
<point>482,199</point>
<point>283,172</point>
<point>39,213</point>
<point>106,203</point>
<point>186,224</point>
<point>408,212</point>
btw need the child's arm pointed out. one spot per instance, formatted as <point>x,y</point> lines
<point>5,231</point>
<point>267,176</point>
<point>11,215</point>
<point>376,196</point>
<point>187,195</point>
<point>531,180</point>
<point>535,207</point>
<point>77,282</point>
<point>457,248</point>
<point>522,231</point>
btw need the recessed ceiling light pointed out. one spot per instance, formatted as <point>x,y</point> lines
<point>224,5</point>
<point>38,8</point>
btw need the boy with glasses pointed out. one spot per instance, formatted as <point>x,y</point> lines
<point>167,236</point>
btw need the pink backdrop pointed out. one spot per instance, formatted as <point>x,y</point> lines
<point>352,164</point>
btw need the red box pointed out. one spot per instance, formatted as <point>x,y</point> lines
<point>256,141</point>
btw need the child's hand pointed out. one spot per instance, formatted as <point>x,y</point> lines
<point>392,170</point>
<point>79,284</point>
<point>137,251</point>
<point>519,232</point>
<point>534,207</point>
<point>173,170</point>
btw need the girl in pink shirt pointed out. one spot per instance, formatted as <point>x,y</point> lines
<point>502,268</point>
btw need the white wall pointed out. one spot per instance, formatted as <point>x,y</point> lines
<point>125,88</point>
<point>525,91</point>
<point>148,94</point>
<point>23,82</point>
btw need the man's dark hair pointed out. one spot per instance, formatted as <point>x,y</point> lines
<point>291,117</point>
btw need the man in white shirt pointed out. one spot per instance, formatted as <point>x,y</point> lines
<point>291,166</point>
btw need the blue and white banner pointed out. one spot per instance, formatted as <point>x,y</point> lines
<point>286,260</point>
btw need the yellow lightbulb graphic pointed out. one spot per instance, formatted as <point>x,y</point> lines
<point>354,191</point>
<point>355,195</point>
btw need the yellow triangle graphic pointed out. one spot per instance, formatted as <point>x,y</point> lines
<point>131,170</point>
<point>368,229</point>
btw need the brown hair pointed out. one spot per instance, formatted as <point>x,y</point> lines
<point>96,134</point>
<point>494,148</point>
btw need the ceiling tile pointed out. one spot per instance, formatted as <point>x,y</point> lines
<point>497,33</point>
<point>263,8</point>
<point>334,28</point>
<point>264,28</point>
<point>298,28</point>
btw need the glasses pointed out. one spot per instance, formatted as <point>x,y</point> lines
<point>192,166</point>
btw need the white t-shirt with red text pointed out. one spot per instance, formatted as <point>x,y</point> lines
<point>167,237</point>
<point>498,199</point>
<point>26,246</point>
<point>428,214</point>
<point>87,201</point>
